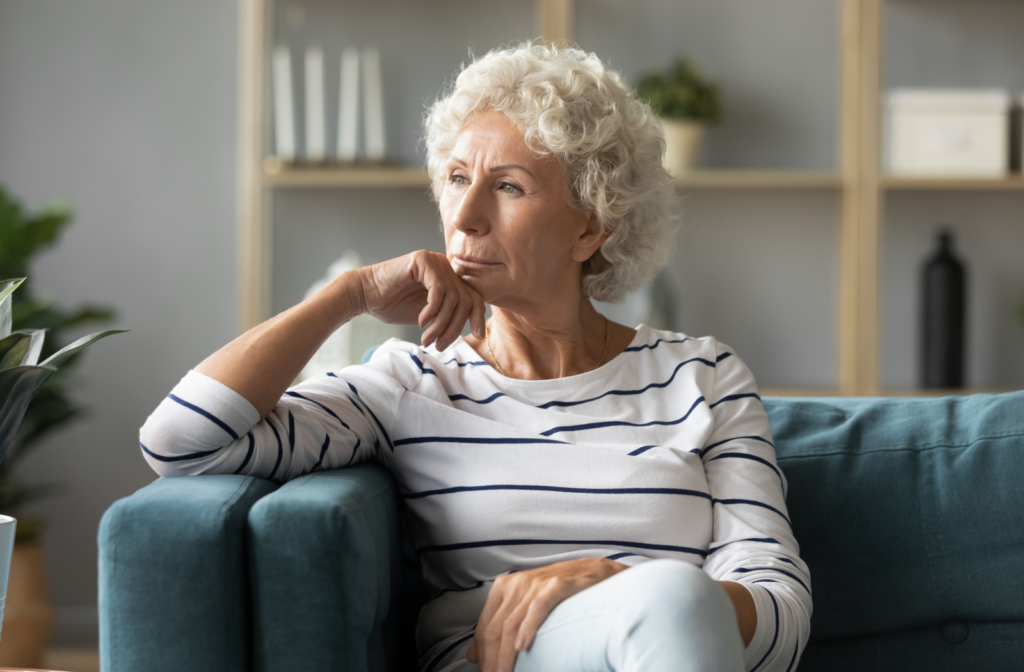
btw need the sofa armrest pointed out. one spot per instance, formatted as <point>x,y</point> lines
<point>173,581</point>
<point>326,569</point>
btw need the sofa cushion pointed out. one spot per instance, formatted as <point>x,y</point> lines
<point>326,572</point>
<point>909,512</point>
<point>954,645</point>
<point>173,585</point>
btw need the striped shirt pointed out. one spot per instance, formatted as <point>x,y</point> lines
<point>663,452</point>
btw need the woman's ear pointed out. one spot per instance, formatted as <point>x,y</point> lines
<point>589,239</point>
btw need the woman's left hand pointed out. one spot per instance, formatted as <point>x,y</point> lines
<point>519,603</point>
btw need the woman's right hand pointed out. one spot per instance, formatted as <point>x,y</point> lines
<point>422,288</point>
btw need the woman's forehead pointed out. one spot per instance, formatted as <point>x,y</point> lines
<point>493,139</point>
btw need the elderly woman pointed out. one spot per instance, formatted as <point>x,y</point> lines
<point>583,496</point>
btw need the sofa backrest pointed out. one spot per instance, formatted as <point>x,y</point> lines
<point>910,515</point>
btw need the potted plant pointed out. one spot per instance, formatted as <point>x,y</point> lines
<point>685,102</point>
<point>33,401</point>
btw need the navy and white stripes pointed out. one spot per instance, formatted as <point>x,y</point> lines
<point>664,452</point>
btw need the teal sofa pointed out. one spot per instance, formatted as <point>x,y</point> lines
<point>909,512</point>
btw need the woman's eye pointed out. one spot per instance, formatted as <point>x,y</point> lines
<point>457,179</point>
<point>510,188</point>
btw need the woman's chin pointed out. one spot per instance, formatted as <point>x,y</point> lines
<point>485,289</point>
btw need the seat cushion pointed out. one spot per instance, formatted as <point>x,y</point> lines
<point>909,511</point>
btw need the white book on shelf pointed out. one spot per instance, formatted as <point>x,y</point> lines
<point>284,104</point>
<point>315,131</point>
<point>348,106</point>
<point>373,111</point>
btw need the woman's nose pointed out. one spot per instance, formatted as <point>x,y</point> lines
<point>472,213</point>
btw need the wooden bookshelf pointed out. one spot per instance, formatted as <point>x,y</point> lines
<point>858,180</point>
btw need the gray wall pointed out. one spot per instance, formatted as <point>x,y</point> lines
<point>128,108</point>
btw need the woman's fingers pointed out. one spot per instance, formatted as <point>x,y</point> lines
<point>450,304</point>
<point>505,656</point>
<point>478,318</point>
<point>540,608</point>
<point>456,323</point>
<point>435,295</point>
<point>439,323</point>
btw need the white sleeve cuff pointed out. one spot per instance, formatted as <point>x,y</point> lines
<point>767,625</point>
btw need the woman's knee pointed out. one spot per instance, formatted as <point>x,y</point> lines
<point>674,590</point>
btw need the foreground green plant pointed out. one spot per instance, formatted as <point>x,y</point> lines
<point>680,92</point>
<point>24,235</point>
<point>21,373</point>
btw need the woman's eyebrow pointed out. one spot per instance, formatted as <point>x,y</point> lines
<point>496,168</point>
<point>511,165</point>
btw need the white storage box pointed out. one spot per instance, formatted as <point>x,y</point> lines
<point>961,132</point>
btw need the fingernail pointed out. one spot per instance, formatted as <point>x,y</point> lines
<point>519,643</point>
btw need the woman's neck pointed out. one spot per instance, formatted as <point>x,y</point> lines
<point>550,342</point>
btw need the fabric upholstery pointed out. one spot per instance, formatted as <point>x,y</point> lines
<point>909,514</point>
<point>173,580</point>
<point>326,572</point>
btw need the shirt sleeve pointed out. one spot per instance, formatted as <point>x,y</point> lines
<point>753,540</point>
<point>327,422</point>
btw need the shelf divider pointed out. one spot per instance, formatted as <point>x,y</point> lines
<point>942,183</point>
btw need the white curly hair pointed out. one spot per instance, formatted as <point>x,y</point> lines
<point>569,105</point>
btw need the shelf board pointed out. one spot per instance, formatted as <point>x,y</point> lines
<point>277,174</point>
<point>952,183</point>
<point>758,179</point>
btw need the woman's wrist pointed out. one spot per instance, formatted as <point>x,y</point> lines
<point>746,610</point>
<point>346,292</point>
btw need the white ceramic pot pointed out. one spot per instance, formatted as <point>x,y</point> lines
<point>29,610</point>
<point>682,144</point>
<point>7,527</point>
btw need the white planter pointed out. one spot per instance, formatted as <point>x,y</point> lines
<point>7,527</point>
<point>682,144</point>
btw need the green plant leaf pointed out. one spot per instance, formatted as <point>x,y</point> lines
<point>12,349</point>
<point>21,348</point>
<point>38,337</point>
<point>17,387</point>
<point>58,358</point>
<point>49,410</point>
<point>7,288</point>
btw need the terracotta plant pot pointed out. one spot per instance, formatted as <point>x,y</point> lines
<point>682,144</point>
<point>28,617</point>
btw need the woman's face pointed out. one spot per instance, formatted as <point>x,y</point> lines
<point>509,230</point>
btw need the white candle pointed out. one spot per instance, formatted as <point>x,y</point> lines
<point>348,106</point>
<point>284,110</point>
<point>374,106</point>
<point>315,131</point>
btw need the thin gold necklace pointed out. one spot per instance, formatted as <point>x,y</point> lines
<point>604,355</point>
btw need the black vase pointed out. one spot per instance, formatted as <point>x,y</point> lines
<point>942,323</point>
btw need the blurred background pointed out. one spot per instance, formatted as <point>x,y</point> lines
<point>803,241</point>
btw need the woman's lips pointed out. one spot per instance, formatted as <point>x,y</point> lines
<point>473,262</point>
